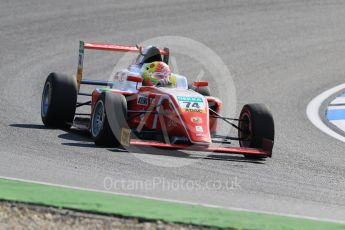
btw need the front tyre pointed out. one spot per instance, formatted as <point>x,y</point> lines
<point>59,99</point>
<point>108,119</point>
<point>255,125</point>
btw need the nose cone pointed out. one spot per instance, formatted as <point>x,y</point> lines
<point>193,109</point>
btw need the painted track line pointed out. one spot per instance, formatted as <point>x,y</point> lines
<point>176,201</point>
<point>313,112</point>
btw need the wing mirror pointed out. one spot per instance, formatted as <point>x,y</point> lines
<point>200,83</point>
<point>136,79</point>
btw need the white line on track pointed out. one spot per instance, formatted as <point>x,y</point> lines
<point>313,112</point>
<point>174,201</point>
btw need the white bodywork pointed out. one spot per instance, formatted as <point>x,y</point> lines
<point>120,81</point>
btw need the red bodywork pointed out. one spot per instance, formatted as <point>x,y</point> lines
<point>163,110</point>
<point>170,118</point>
<point>167,115</point>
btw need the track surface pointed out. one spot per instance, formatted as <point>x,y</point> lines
<point>282,53</point>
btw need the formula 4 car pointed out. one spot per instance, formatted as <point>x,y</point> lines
<point>167,112</point>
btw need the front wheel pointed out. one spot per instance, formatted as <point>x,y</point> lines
<point>256,125</point>
<point>108,118</point>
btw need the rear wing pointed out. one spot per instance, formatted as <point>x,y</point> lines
<point>109,47</point>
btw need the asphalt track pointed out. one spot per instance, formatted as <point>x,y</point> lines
<point>282,53</point>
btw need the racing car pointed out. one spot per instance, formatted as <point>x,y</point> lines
<point>161,110</point>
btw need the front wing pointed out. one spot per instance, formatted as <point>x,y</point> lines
<point>265,152</point>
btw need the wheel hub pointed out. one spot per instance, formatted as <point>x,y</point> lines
<point>97,118</point>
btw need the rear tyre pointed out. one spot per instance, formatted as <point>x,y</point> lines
<point>59,99</point>
<point>256,124</point>
<point>204,90</point>
<point>108,118</point>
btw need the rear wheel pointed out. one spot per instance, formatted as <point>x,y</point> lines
<point>108,118</point>
<point>59,99</point>
<point>256,124</point>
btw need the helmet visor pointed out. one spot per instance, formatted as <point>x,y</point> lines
<point>160,75</point>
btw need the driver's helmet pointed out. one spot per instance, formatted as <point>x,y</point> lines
<point>154,71</point>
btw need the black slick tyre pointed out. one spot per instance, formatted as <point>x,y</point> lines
<point>59,99</point>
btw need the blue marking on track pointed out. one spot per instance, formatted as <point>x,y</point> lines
<point>342,95</point>
<point>335,114</point>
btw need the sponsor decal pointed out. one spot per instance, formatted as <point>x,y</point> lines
<point>194,110</point>
<point>196,120</point>
<point>191,104</point>
<point>199,129</point>
<point>189,99</point>
<point>81,47</point>
<point>80,60</point>
<point>125,137</point>
<point>142,99</point>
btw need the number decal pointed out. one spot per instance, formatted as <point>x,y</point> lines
<point>196,105</point>
<point>187,104</point>
<point>191,104</point>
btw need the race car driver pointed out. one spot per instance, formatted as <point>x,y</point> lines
<point>156,73</point>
